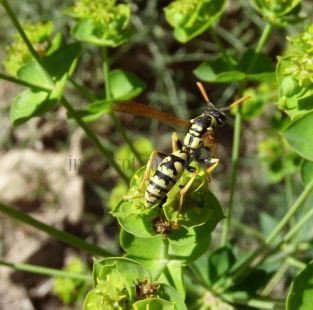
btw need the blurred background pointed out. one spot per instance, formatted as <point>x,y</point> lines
<point>50,170</point>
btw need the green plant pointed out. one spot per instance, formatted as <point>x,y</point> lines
<point>168,262</point>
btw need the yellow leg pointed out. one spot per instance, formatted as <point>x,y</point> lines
<point>176,144</point>
<point>146,176</point>
<point>185,190</point>
<point>214,163</point>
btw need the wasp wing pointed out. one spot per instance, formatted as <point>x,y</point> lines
<point>140,109</point>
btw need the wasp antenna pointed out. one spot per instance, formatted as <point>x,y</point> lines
<point>203,92</point>
<point>235,103</point>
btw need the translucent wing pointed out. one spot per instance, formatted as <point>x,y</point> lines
<point>140,109</point>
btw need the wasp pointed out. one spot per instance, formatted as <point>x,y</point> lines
<point>200,134</point>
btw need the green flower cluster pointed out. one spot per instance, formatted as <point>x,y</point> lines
<point>191,18</point>
<point>17,52</point>
<point>123,284</point>
<point>295,74</point>
<point>101,22</point>
<point>103,11</point>
<point>301,58</point>
<point>279,12</point>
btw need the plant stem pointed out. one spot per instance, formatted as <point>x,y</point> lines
<point>233,177</point>
<point>83,90</point>
<point>220,45</point>
<point>54,232</point>
<point>295,263</point>
<point>255,302</point>
<point>91,135</point>
<point>264,37</point>
<point>108,95</point>
<point>23,83</point>
<point>280,272</point>
<point>45,271</point>
<point>243,268</point>
<point>247,230</point>
<point>236,142</point>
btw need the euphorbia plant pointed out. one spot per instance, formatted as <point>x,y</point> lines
<point>169,261</point>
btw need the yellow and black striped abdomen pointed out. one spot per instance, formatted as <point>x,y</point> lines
<point>168,172</point>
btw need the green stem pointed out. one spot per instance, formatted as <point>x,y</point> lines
<point>108,95</point>
<point>54,232</point>
<point>236,142</point>
<point>291,261</point>
<point>264,37</point>
<point>23,83</point>
<point>23,34</point>
<point>299,225</point>
<point>220,45</point>
<point>255,302</point>
<point>275,279</point>
<point>233,177</point>
<point>83,90</point>
<point>45,271</point>
<point>247,230</point>
<point>243,268</point>
<point>91,135</point>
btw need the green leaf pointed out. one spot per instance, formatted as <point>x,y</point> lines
<point>131,269</point>
<point>300,296</point>
<point>267,223</point>
<point>200,207</point>
<point>220,261</point>
<point>88,30</point>
<point>154,304</point>
<point>28,104</point>
<point>136,219</point>
<point>167,292</point>
<point>71,290</point>
<point>146,248</point>
<point>218,71</point>
<point>33,73</point>
<point>125,85</point>
<point>252,66</point>
<point>95,110</point>
<point>256,279</point>
<point>307,172</point>
<point>176,277</point>
<point>62,61</point>
<point>191,18</point>
<point>299,134</point>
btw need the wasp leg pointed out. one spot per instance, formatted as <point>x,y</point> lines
<point>184,191</point>
<point>146,175</point>
<point>191,169</point>
<point>176,143</point>
<point>213,164</point>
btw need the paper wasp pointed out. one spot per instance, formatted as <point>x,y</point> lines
<point>200,135</point>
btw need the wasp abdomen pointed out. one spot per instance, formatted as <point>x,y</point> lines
<point>168,172</point>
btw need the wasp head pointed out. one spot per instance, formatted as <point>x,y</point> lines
<point>218,115</point>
